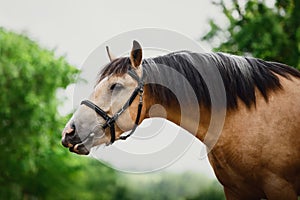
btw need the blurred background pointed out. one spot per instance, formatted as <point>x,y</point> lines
<point>42,45</point>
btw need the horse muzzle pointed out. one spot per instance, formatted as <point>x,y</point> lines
<point>76,144</point>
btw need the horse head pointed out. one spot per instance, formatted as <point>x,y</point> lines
<point>114,107</point>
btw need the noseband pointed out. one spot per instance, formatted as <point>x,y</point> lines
<point>110,121</point>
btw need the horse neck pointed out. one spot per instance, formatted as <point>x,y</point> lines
<point>187,116</point>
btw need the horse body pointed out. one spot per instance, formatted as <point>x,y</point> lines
<point>256,156</point>
<point>258,152</point>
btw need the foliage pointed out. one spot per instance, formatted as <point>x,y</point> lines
<point>271,33</point>
<point>212,191</point>
<point>170,186</point>
<point>33,163</point>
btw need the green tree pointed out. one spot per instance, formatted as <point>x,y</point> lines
<point>211,192</point>
<point>173,186</point>
<point>271,33</point>
<point>33,163</point>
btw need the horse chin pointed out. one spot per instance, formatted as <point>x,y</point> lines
<point>83,148</point>
<point>79,149</point>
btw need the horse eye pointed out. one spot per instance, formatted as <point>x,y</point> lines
<point>116,86</point>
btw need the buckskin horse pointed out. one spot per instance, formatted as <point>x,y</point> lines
<point>257,154</point>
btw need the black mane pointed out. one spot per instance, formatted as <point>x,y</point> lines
<point>240,75</point>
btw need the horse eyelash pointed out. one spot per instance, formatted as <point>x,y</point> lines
<point>116,86</point>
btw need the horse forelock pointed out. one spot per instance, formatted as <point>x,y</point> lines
<point>118,66</point>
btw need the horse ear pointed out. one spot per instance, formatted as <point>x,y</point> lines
<point>110,56</point>
<point>136,54</point>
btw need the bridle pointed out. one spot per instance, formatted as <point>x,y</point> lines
<point>110,121</point>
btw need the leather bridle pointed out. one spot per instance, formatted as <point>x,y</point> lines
<point>110,121</point>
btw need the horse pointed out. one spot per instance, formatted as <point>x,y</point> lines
<point>257,153</point>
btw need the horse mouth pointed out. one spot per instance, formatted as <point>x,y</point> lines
<point>83,148</point>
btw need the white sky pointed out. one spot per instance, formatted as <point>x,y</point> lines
<point>76,27</point>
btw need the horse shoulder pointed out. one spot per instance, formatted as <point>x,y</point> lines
<point>261,140</point>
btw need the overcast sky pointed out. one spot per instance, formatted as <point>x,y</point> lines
<point>76,27</point>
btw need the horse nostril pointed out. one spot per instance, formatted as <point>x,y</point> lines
<point>71,130</point>
<point>69,137</point>
<point>73,127</point>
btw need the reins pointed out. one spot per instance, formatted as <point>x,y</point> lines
<point>110,121</point>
